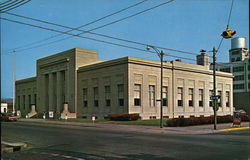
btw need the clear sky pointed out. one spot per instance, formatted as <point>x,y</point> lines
<point>188,25</point>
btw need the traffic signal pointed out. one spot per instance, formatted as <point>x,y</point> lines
<point>228,33</point>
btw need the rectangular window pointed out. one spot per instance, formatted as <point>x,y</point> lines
<point>137,94</point>
<point>107,91</point>
<point>165,95</point>
<point>180,96</point>
<point>210,100</point>
<point>225,70</point>
<point>29,102</point>
<point>35,99</point>
<point>151,95</point>
<point>120,94</point>
<point>227,99</point>
<point>96,104</point>
<point>190,97</point>
<point>238,86</point>
<point>24,102</point>
<point>85,97</point>
<point>18,101</point>
<point>239,78</point>
<point>201,95</point>
<point>238,69</point>
<point>220,97</point>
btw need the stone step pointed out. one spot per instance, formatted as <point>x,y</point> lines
<point>12,147</point>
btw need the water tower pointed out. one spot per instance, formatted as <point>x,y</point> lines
<point>238,51</point>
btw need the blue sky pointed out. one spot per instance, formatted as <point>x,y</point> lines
<point>188,25</point>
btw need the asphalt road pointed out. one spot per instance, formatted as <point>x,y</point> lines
<point>65,142</point>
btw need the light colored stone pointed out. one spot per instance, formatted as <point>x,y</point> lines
<point>79,69</point>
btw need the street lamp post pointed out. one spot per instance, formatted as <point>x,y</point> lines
<point>160,54</point>
<point>13,80</point>
<point>214,89</point>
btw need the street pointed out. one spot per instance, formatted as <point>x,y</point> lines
<point>52,141</point>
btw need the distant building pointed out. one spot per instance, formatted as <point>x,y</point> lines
<point>239,65</point>
<point>4,107</point>
<point>75,83</point>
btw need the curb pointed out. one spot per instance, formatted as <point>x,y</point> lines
<point>233,129</point>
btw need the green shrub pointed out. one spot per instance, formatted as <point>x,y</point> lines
<point>124,117</point>
<point>202,120</point>
<point>245,117</point>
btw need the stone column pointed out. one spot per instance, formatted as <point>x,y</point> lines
<point>59,92</point>
<point>67,84</point>
<point>45,93</point>
<point>51,92</point>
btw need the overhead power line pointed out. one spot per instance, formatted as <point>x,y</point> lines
<point>219,44</point>
<point>12,5</point>
<point>8,4</point>
<point>102,35</point>
<point>109,15</point>
<point>71,29</point>
<point>1,4</point>
<point>107,42</point>
<point>133,15</point>
<point>229,17</point>
<point>121,19</point>
<point>228,21</point>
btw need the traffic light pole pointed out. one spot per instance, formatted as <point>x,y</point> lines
<point>214,89</point>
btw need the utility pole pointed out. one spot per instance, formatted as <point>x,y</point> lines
<point>214,89</point>
<point>161,118</point>
<point>13,79</point>
<point>160,54</point>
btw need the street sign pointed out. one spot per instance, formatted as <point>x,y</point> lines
<point>215,97</point>
<point>18,113</point>
<point>93,119</point>
<point>51,114</point>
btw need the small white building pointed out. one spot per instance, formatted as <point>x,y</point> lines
<point>4,107</point>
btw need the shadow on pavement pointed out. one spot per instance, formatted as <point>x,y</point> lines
<point>38,154</point>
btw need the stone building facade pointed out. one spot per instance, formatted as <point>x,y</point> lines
<point>75,83</point>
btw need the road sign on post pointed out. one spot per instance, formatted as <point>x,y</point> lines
<point>215,97</point>
<point>51,114</point>
<point>93,119</point>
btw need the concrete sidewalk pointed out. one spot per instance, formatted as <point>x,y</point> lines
<point>199,129</point>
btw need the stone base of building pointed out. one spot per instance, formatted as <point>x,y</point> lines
<point>33,111</point>
<point>66,114</point>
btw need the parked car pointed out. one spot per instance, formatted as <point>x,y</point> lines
<point>9,117</point>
